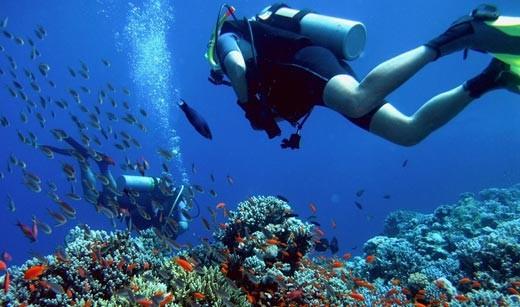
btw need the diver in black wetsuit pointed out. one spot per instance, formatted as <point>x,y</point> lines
<point>143,202</point>
<point>283,62</point>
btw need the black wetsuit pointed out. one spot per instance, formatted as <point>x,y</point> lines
<point>290,72</point>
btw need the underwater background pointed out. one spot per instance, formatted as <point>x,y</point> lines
<point>156,51</point>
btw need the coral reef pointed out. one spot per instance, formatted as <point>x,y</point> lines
<point>467,253</point>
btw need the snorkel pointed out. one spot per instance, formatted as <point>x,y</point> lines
<point>210,53</point>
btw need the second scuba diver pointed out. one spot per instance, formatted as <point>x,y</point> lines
<point>283,62</point>
<point>142,202</point>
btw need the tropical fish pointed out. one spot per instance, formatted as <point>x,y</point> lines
<point>10,204</point>
<point>360,192</point>
<point>195,119</point>
<point>31,176</point>
<point>370,258</point>
<point>167,154</point>
<point>59,134</point>
<point>105,62</point>
<point>8,34</point>
<point>44,69</point>
<point>213,193</point>
<point>69,211</point>
<point>46,228</point>
<point>69,171</point>
<point>34,272</point>
<point>405,163</point>
<point>32,185</point>
<point>28,231</point>
<point>358,205</point>
<point>58,217</point>
<point>6,256</point>
<point>184,264</point>
<point>4,22</point>
<point>206,224</point>
<point>220,205</point>
<point>19,41</point>
<point>7,282</point>
<point>71,71</point>
<point>313,208</point>
<point>230,179</point>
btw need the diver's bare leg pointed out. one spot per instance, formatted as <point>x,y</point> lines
<point>345,95</point>
<point>398,128</point>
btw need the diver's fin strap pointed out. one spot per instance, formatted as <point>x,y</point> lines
<point>485,12</point>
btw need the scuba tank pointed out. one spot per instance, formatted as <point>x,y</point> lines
<point>345,38</point>
<point>137,183</point>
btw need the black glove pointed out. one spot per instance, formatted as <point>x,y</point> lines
<point>260,117</point>
<point>293,142</point>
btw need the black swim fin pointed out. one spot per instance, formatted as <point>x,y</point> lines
<point>195,119</point>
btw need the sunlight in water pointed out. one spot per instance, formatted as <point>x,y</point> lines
<point>152,71</point>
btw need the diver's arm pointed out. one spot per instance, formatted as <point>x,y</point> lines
<point>234,64</point>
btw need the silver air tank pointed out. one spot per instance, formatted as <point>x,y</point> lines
<point>136,183</point>
<point>345,38</point>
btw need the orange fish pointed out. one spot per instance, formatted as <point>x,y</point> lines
<point>347,256</point>
<point>7,281</point>
<point>370,258</point>
<point>272,241</point>
<point>419,305</point>
<point>221,205</point>
<point>3,266</point>
<point>88,303</point>
<point>461,298</point>
<point>475,284</point>
<point>32,288</point>
<point>82,273</point>
<point>144,302</point>
<point>251,299</point>
<point>337,264</point>
<point>512,291</point>
<point>34,272</point>
<point>319,232</point>
<point>198,295</point>
<point>239,239</point>
<point>188,267</point>
<point>464,281</point>
<point>357,296</point>
<point>313,208</point>
<point>167,299</point>
<point>440,284</point>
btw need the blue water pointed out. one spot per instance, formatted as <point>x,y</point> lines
<point>156,50</point>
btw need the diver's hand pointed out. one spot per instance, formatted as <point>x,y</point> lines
<point>260,117</point>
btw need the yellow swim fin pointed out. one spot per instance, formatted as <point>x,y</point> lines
<point>511,26</point>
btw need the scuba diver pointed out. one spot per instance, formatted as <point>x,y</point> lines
<point>283,62</point>
<point>142,202</point>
